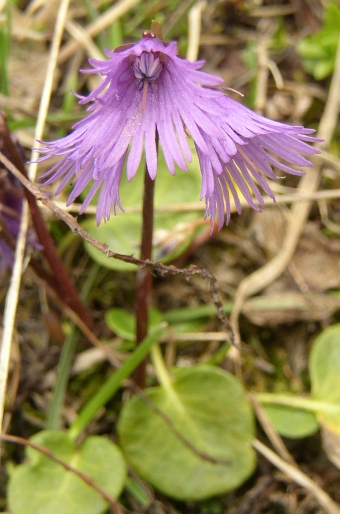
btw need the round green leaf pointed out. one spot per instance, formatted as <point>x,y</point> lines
<point>324,366</point>
<point>44,486</point>
<point>292,422</point>
<point>209,408</point>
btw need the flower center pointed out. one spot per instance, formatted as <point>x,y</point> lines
<point>147,69</point>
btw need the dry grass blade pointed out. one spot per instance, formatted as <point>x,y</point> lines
<point>273,436</point>
<point>47,90</point>
<point>199,206</point>
<point>194,30</point>
<point>300,478</point>
<point>10,310</point>
<point>101,23</point>
<point>13,292</point>
<point>82,37</point>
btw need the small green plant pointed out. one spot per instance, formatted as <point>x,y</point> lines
<point>318,50</point>
<point>296,416</point>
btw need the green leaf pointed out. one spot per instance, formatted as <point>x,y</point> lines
<point>137,491</point>
<point>324,366</point>
<point>123,323</point>
<point>209,408</point>
<point>322,69</point>
<point>292,422</point>
<point>44,486</point>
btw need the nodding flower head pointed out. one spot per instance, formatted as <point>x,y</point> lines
<point>148,91</point>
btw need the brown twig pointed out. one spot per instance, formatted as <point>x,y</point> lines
<point>155,266</point>
<point>87,479</point>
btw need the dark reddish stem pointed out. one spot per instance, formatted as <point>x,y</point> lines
<point>144,275</point>
<point>63,283</point>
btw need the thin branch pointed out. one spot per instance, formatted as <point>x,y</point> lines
<point>155,266</point>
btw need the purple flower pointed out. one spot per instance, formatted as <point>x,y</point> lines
<point>146,90</point>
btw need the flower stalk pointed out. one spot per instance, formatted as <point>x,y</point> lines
<point>144,275</point>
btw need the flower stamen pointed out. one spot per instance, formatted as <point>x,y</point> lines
<point>147,69</point>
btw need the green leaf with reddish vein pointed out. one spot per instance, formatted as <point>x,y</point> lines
<point>43,486</point>
<point>209,408</point>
